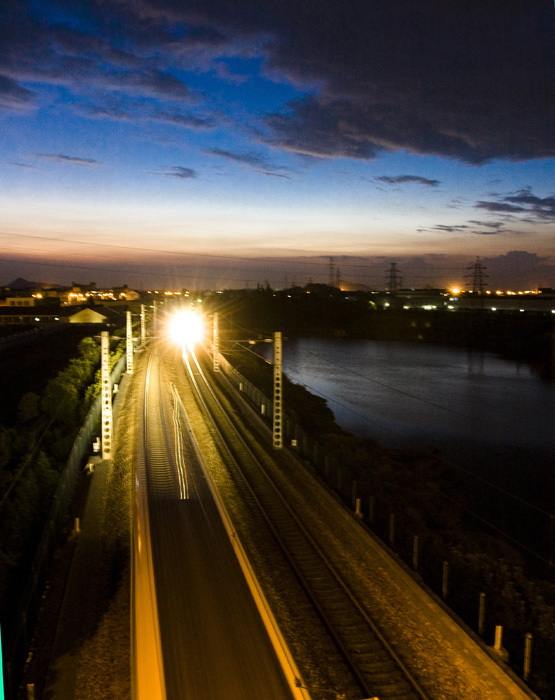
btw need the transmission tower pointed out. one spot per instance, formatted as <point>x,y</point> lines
<point>331,277</point>
<point>478,276</point>
<point>337,278</point>
<point>393,278</point>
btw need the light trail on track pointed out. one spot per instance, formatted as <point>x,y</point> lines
<point>214,645</point>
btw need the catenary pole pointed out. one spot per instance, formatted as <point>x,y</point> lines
<point>143,325</point>
<point>106,396</point>
<point>278,391</point>
<point>129,343</point>
<point>216,345</point>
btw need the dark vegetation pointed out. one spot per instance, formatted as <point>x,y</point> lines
<point>429,497</point>
<point>322,311</point>
<point>58,379</point>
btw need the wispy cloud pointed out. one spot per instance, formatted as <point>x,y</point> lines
<point>269,173</point>
<point>178,171</point>
<point>507,210</point>
<point>478,228</point>
<point>146,112</point>
<point>69,160</point>
<point>408,179</point>
<point>448,228</point>
<point>250,159</point>
<point>488,224</point>
<point>14,96</point>
<point>256,161</point>
<point>524,205</point>
<point>24,165</point>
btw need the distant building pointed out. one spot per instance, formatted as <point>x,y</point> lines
<point>124,293</point>
<point>87,315</point>
<point>18,301</point>
<point>42,315</point>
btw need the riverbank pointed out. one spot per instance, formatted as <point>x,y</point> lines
<point>330,313</point>
<point>458,517</point>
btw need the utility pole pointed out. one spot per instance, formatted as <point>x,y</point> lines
<point>106,395</point>
<point>277,418</point>
<point>129,343</point>
<point>216,344</point>
<point>143,325</point>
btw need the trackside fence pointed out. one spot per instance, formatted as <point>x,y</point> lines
<point>417,550</point>
<point>17,637</point>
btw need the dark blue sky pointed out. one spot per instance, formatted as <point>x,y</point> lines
<point>204,142</point>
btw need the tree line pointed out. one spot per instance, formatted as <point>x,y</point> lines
<point>34,448</point>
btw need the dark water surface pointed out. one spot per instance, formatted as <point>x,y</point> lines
<point>489,415</point>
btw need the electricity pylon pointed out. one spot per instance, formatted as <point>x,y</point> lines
<point>394,279</point>
<point>478,276</point>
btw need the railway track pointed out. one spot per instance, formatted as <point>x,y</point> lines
<point>163,448</point>
<point>212,639</point>
<point>377,669</point>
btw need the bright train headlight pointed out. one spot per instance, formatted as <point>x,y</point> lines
<point>186,328</point>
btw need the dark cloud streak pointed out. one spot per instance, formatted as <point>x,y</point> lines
<point>13,96</point>
<point>70,160</point>
<point>179,172</point>
<point>523,204</point>
<point>408,179</point>
<point>251,160</point>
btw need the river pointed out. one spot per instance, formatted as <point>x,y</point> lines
<point>492,416</point>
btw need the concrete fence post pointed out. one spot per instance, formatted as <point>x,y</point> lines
<point>527,655</point>
<point>445,580</point>
<point>415,553</point>
<point>392,530</point>
<point>498,643</point>
<point>481,614</point>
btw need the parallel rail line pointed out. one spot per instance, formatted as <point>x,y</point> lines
<point>160,445</point>
<point>373,663</point>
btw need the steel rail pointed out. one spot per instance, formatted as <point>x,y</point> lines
<point>378,669</point>
<point>162,473</point>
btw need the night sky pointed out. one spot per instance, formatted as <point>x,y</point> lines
<point>224,143</point>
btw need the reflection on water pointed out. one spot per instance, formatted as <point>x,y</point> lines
<point>490,414</point>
